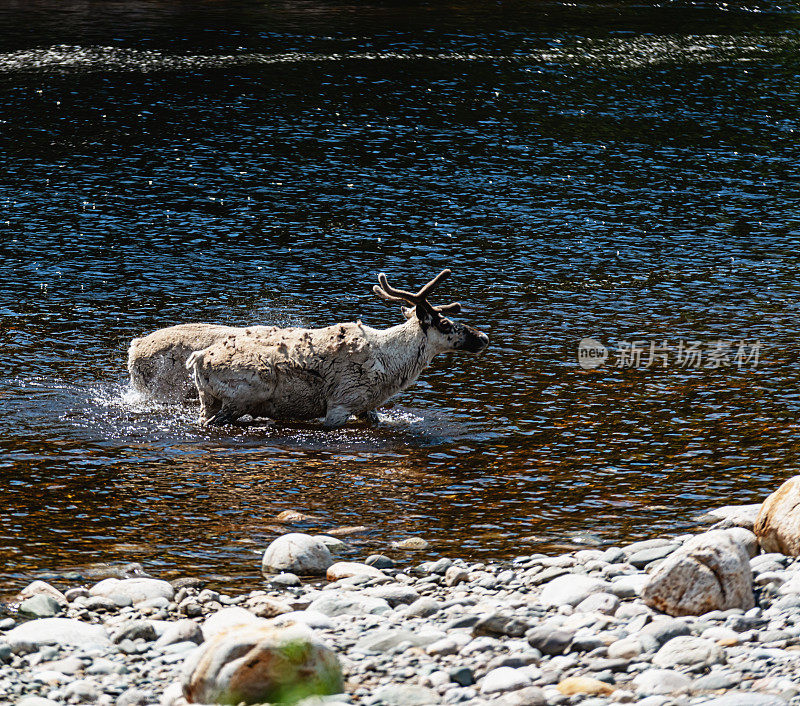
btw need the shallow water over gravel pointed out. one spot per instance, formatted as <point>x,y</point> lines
<point>626,173</point>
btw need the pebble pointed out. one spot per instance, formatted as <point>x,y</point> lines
<point>505,679</point>
<point>537,631</point>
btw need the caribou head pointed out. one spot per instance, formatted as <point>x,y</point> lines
<point>446,335</point>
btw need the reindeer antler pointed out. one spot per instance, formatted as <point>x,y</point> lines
<point>418,298</point>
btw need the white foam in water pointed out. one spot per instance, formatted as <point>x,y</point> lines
<point>614,52</point>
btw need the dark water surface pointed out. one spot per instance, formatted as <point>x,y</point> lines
<point>609,170</point>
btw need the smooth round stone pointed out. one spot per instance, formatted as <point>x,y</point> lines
<point>380,561</point>
<point>135,589</point>
<point>627,648</point>
<point>405,695</point>
<point>583,685</point>
<point>570,589</point>
<point>297,553</point>
<point>395,594</point>
<point>55,631</point>
<point>227,618</point>
<point>505,679</point>
<point>346,569</point>
<point>605,603</point>
<point>549,640</point>
<point>286,580</point>
<point>715,681</point>
<point>41,606</point>
<point>423,608</point>
<point>349,603</point>
<point>661,681</point>
<point>745,698</point>
<point>688,650</point>
<point>643,557</point>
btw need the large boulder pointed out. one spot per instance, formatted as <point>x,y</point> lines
<point>39,588</point>
<point>709,572</point>
<point>297,553</point>
<point>137,590</point>
<point>32,635</point>
<point>261,664</point>
<point>778,523</point>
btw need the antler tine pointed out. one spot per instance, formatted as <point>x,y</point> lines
<point>419,298</point>
<point>428,288</point>
<point>453,308</point>
<point>388,297</point>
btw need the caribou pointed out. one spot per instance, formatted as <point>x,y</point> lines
<point>331,373</point>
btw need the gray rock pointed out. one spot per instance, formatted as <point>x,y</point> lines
<point>462,676</point>
<point>395,594</point>
<point>548,640</point>
<point>285,580</point>
<point>42,588</point>
<point>716,681</point>
<point>297,553</point>
<point>505,679</point>
<point>628,586</point>
<point>226,618</point>
<point>423,608</point>
<point>5,652</point>
<point>404,695</point>
<point>645,544</point>
<point>134,630</point>
<point>183,630</point>
<point>40,606</point>
<point>55,631</point>
<point>380,561</point>
<point>709,572</point>
<point>661,681</point>
<point>499,624</point>
<point>605,603</point>
<point>69,665</point>
<point>463,621</point>
<point>81,691</point>
<point>439,567</point>
<point>386,639</point>
<point>643,557</point>
<point>515,660</point>
<point>135,697</point>
<point>36,701</point>
<point>627,648</point>
<point>745,698</point>
<point>135,589</point>
<point>570,589</point>
<point>103,604</point>
<point>527,696</point>
<point>738,515</point>
<point>666,629</point>
<point>688,650</point>
<point>455,575</point>
<point>349,604</point>
<point>746,539</point>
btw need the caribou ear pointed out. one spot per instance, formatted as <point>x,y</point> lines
<point>407,312</point>
<point>425,316</point>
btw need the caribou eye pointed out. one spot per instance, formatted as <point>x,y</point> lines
<point>445,326</point>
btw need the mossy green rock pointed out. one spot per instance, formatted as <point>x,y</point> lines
<point>257,664</point>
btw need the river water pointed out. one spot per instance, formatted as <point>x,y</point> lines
<point>616,171</point>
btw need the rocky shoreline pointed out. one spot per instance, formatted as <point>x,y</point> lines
<point>577,628</point>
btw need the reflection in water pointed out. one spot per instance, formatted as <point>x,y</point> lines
<point>624,176</point>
